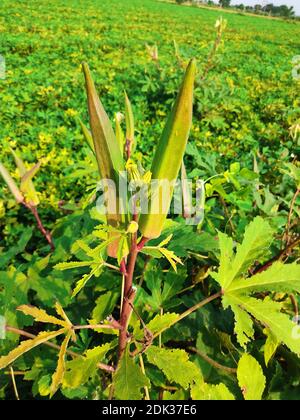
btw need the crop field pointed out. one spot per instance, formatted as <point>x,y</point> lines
<point>243,145</point>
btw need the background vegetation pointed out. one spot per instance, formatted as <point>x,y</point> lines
<point>245,134</point>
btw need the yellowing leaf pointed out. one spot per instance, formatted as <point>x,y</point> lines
<point>171,257</point>
<point>60,369</point>
<point>27,186</point>
<point>61,313</point>
<point>72,264</point>
<point>27,345</point>
<point>11,184</point>
<point>40,315</point>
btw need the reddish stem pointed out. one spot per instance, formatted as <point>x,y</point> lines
<point>41,228</point>
<point>129,292</point>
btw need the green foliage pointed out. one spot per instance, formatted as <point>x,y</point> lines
<point>237,290</point>
<point>203,294</point>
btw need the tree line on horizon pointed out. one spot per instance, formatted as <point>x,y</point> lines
<point>269,9</point>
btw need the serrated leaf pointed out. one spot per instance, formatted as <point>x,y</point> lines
<point>159,323</point>
<point>62,314</point>
<point>11,184</point>
<point>79,370</point>
<point>27,345</point>
<point>270,346</point>
<point>243,326</point>
<point>175,365</point>
<point>207,392</point>
<point>83,281</point>
<point>250,378</point>
<point>40,315</point>
<point>257,239</point>
<point>270,315</point>
<point>129,379</point>
<point>279,277</point>
<point>72,264</point>
<point>58,375</point>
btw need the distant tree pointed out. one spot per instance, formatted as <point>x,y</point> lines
<point>180,1</point>
<point>283,10</point>
<point>240,6</point>
<point>224,3</point>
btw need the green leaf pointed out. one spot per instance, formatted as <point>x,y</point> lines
<point>269,314</point>
<point>159,323</point>
<point>270,346</point>
<point>104,306</point>
<point>207,392</point>
<point>169,154</point>
<point>83,281</point>
<point>279,277</point>
<point>82,368</point>
<point>250,378</point>
<point>243,326</point>
<point>175,365</point>
<point>257,240</point>
<point>129,379</point>
<point>18,248</point>
<point>2,327</point>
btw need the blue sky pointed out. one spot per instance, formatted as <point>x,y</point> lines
<point>295,3</point>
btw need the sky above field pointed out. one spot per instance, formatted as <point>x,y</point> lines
<point>295,3</point>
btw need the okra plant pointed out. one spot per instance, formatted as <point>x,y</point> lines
<point>134,357</point>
